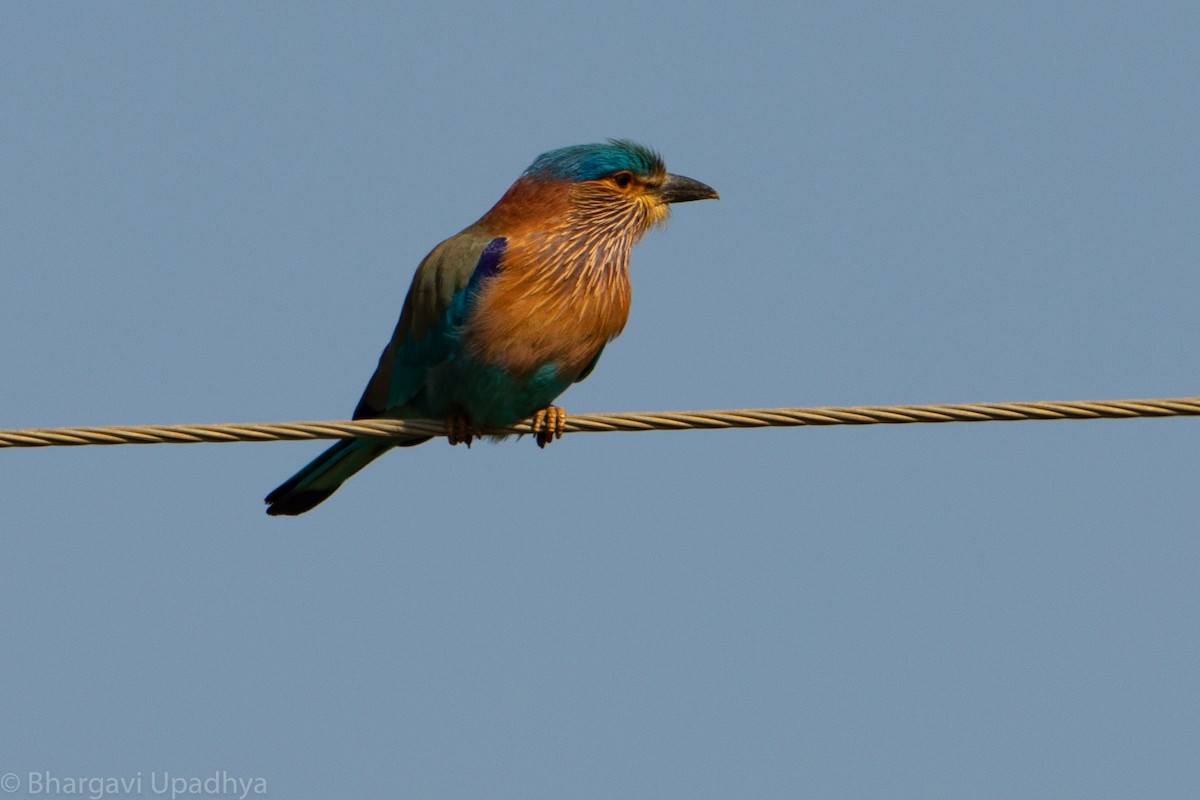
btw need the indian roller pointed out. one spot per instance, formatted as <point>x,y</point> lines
<point>502,317</point>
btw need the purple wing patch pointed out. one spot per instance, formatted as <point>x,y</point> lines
<point>489,262</point>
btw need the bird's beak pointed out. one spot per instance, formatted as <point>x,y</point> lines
<point>678,189</point>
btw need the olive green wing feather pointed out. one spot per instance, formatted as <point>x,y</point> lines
<point>426,335</point>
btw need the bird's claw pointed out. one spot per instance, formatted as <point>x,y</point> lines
<point>547,424</point>
<point>459,430</point>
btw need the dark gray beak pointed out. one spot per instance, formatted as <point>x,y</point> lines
<point>678,189</point>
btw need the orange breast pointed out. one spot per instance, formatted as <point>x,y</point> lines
<point>542,309</point>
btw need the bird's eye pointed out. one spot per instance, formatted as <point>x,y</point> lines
<point>622,179</point>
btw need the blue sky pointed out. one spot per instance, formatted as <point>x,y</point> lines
<point>211,212</point>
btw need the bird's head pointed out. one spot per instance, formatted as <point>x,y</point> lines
<point>617,183</point>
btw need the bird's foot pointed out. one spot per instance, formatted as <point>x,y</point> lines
<point>547,424</point>
<point>460,430</point>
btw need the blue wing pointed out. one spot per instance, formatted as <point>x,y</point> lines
<point>438,302</point>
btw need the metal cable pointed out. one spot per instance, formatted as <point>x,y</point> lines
<point>603,423</point>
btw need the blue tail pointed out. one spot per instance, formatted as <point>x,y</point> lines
<point>323,475</point>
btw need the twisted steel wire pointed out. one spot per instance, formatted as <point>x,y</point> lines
<point>604,423</point>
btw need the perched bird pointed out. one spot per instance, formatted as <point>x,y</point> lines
<point>501,318</point>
